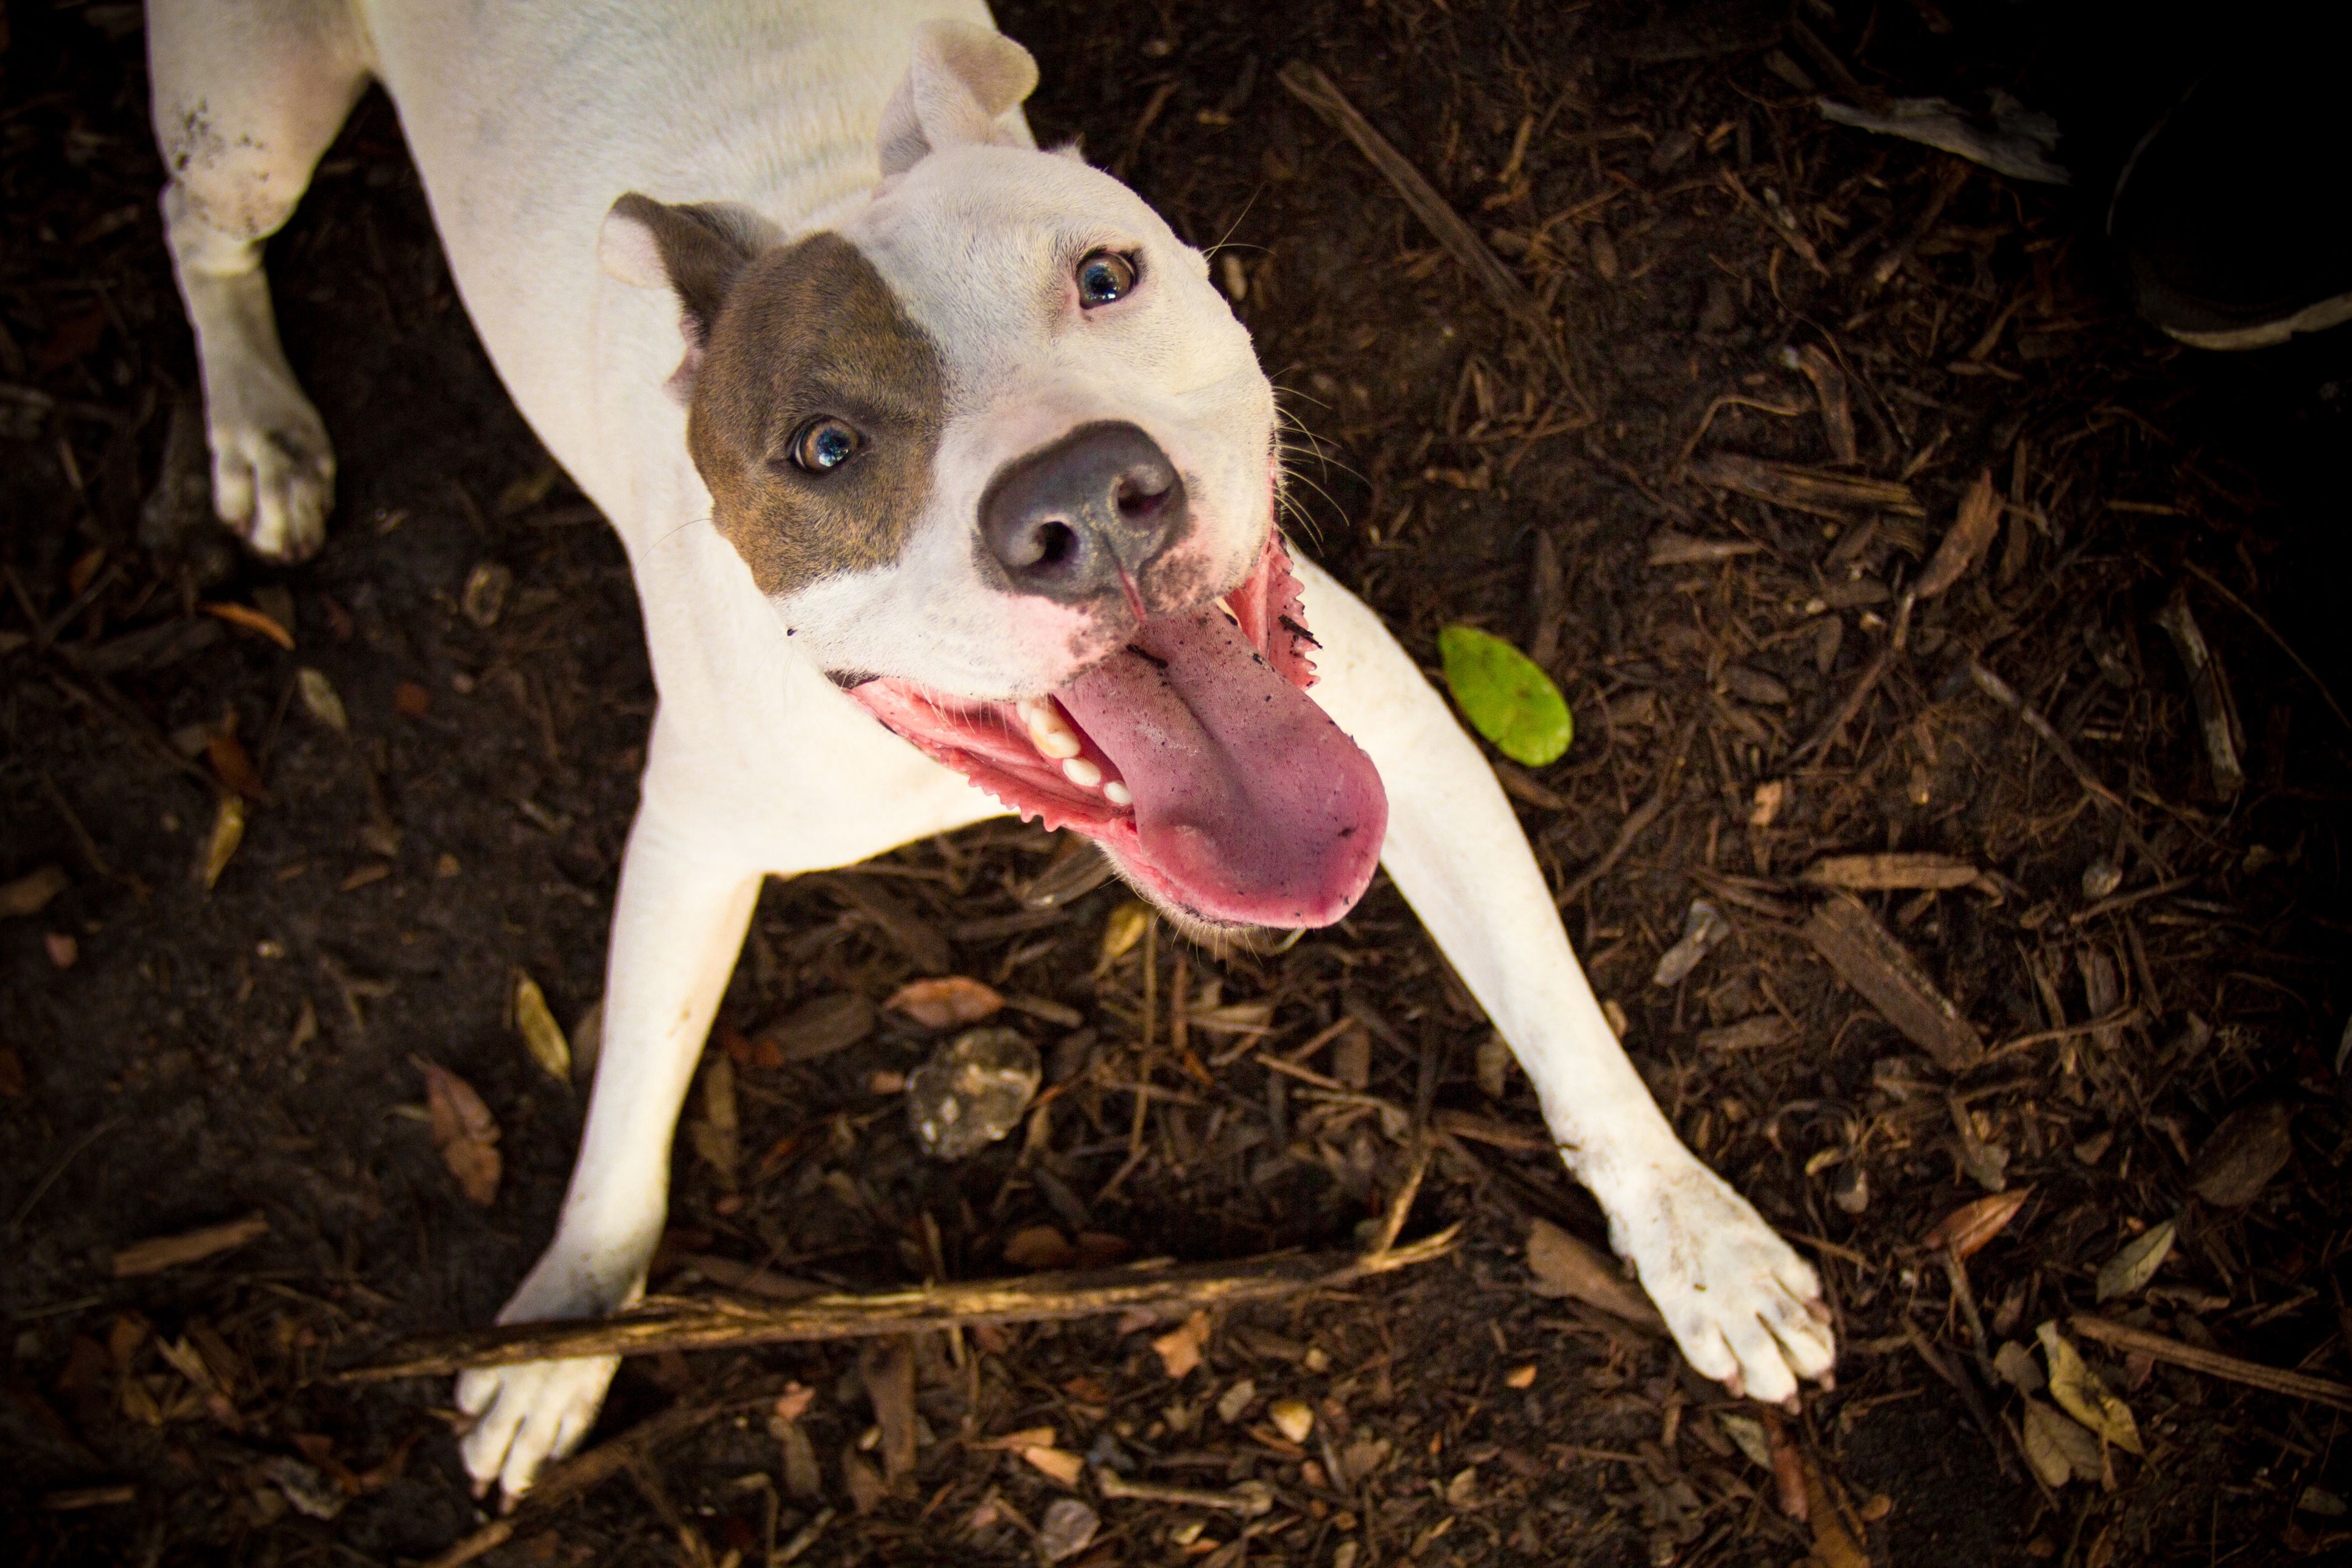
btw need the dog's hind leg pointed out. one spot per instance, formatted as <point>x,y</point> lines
<point>677,924</point>
<point>247,97</point>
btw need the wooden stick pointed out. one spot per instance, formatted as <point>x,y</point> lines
<point>2212,1364</point>
<point>668,1323</point>
<point>583,1472</point>
<point>1318,93</point>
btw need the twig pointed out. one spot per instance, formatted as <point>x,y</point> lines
<point>669,1324</point>
<point>2217,718</point>
<point>2271,632</point>
<point>1865,684</point>
<point>1318,93</point>
<point>2002,692</point>
<point>1636,824</point>
<point>1947,185</point>
<point>2114,1020</point>
<point>1962,1386</point>
<point>2212,1364</point>
<point>583,1472</point>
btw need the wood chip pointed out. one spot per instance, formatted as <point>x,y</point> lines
<point>1867,958</point>
<point>188,1246</point>
<point>1799,488</point>
<point>947,1002</point>
<point>1965,540</point>
<point>1883,872</point>
<point>1669,548</point>
<point>1829,392</point>
<point>1765,1029</point>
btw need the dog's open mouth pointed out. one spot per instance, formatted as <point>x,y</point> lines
<point>1192,756</point>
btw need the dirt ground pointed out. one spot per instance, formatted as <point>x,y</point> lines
<point>2141,952</point>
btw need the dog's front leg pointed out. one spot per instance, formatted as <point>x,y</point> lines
<point>676,927</point>
<point>1743,1306</point>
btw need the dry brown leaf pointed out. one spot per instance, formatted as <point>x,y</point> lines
<point>2136,1263</point>
<point>2252,1145</point>
<point>30,893</point>
<point>1564,1266</point>
<point>1179,1347</point>
<point>1967,1228</point>
<point>2078,1390</point>
<point>1965,538</point>
<point>1834,1544</point>
<point>463,1130</point>
<point>1039,1246</point>
<point>220,844</point>
<point>323,702</point>
<point>2060,1449</point>
<point>1788,1469</point>
<point>234,764</point>
<point>541,1034</point>
<point>947,1002</point>
<point>1122,929</point>
<point>251,620</point>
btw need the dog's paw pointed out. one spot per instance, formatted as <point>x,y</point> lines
<point>1745,1309</point>
<point>273,470</point>
<point>532,1413</point>
<point>527,1416</point>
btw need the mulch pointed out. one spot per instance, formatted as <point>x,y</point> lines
<point>1949,663</point>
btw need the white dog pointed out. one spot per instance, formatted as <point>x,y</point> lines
<point>957,499</point>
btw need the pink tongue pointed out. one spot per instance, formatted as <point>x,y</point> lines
<point>1250,805</point>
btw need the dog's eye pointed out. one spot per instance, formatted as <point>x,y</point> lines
<point>823,446</point>
<point>1104,276</point>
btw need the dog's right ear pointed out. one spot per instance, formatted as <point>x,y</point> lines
<point>695,252</point>
<point>964,85</point>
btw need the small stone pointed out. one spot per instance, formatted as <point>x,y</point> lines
<point>1494,1066</point>
<point>1292,1418</point>
<point>972,1092</point>
<point>1850,1188</point>
<point>312,1494</point>
<point>1521,1376</point>
<point>485,596</point>
<point>1067,1529</point>
<point>1235,1400</point>
<point>2100,878</point>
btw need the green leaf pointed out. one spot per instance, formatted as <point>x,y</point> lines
<point>1506,695</point>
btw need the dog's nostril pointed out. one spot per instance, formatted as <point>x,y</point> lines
<point>1056,543</point>
<point>1137,499</point>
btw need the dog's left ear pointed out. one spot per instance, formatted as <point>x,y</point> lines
<point>695,252</point>
<point>965,86</point>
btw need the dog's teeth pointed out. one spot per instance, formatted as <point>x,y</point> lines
<point>1118,793</point>
<point>1048,730</point>
<point>1082,773</point>
<point>1230,613</point>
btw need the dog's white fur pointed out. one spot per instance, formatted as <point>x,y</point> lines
<point>527,125</point>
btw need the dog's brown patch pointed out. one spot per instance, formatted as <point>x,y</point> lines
<point>811,330</point>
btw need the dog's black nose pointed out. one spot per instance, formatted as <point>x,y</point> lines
<point>1070,519</point>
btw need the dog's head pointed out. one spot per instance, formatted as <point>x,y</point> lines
<point>1002,461</point>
